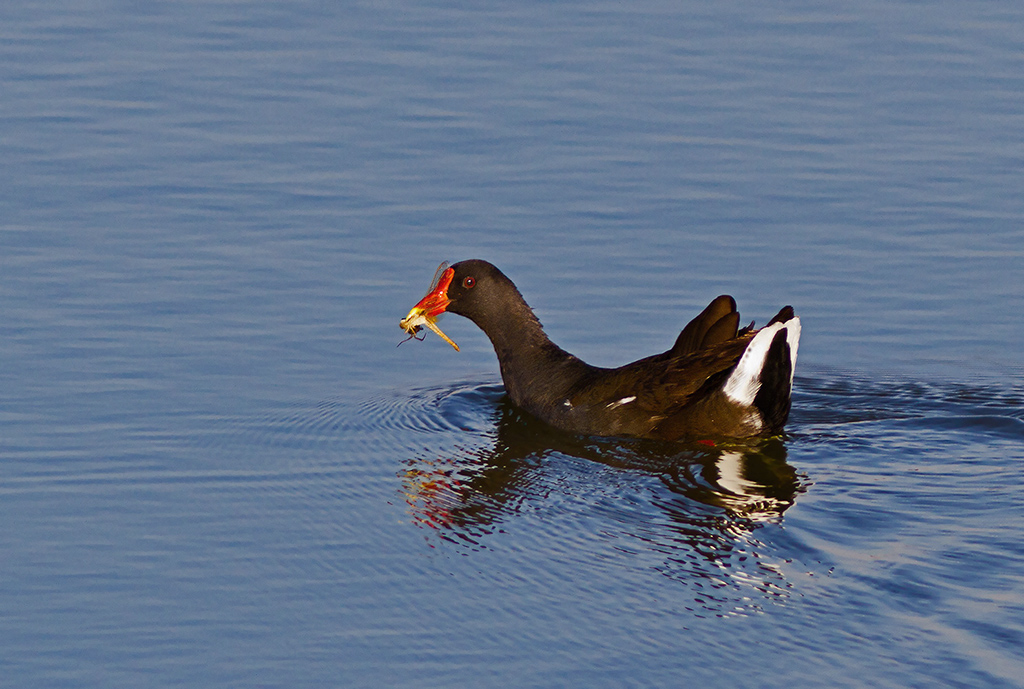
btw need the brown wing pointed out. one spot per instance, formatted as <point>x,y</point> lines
<point>660,386</point>
<point>715,324</point>
<point>660,390</point>
<point>677,380</point>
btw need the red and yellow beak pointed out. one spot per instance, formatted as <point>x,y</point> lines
<point>430,307</point>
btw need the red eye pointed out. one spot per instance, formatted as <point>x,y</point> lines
<point>468,282</point>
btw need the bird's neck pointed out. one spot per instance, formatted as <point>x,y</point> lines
<point>535,370</point>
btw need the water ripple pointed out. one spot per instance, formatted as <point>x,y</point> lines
<point>477,476</point>
<point>480,474</point>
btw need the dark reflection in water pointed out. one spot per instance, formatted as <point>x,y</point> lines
<point>695,507</point>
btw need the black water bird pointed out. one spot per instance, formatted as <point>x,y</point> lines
<point>717,381</point>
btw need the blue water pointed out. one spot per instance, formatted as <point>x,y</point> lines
<point>217,469</point>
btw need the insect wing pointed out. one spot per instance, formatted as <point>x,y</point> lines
<point>437,276</point>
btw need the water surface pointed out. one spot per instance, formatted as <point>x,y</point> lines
<point>217,468</point>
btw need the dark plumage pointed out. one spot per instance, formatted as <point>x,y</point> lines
<point>717,380</point>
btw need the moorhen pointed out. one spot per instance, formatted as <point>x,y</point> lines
<point>717,380</point>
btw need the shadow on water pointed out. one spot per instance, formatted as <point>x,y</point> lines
<point>686,511</point>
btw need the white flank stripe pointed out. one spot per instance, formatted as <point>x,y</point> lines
<point>619,403</point>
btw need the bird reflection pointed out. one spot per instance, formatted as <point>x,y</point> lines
<point>467,493</point>
<point>690,513</point>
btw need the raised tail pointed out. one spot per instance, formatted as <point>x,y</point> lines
<point>763,377</point>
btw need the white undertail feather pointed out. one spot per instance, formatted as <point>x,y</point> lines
<point>745,380</point>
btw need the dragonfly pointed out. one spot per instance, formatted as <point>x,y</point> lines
<point>430,308</point>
